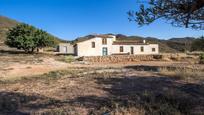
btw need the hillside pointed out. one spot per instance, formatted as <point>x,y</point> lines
<point>5,24</point>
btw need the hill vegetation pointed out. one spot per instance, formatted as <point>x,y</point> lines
<point>5,25</point>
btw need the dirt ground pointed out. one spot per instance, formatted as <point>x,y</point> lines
<point>12,67</point>
<point>16,66</point>
<point>44,85</point>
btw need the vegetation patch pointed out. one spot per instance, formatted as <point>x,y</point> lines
<point>59,111</point>
<point>184,73</point>
<point>28,38</point>
<point>69,59</point>
<point>104,91</point>
<point>202,58</point>
<point>53,75</point>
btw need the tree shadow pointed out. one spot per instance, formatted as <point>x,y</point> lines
<point>11,52</point>
<point>20,104</point>
<point>143,68</point>
<point>156,95</point>
<point>152,68</point>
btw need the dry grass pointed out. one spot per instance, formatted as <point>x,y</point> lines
<point>14,66</point>
<point>50,76</point>
<point>100,91</point>
<point>202,59</point>
<point>184,73</point>
<point>133,90</point>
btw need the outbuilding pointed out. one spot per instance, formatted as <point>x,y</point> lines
<point>65,48</point>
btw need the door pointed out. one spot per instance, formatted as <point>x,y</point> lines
<point>132,50</point>
<point>105,51</point>
<point>65,49</point>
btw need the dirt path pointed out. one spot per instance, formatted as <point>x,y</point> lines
<point>19,70</point>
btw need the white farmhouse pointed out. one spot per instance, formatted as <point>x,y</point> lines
<point>102,45</point>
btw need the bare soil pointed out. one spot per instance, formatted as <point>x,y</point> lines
<point>39,84</point>
<point>19,66</point>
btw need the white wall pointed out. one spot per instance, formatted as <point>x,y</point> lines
<point>137,49</point>
<point>85,48</point>
<point>70,48</point>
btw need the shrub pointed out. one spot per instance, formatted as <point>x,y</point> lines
<point>69,59</point>
<point>198,44</point>
<point>202,58</point>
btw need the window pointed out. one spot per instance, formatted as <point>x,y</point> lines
<point>142,49</point>
<point>93,45</point>
<point>104,41</point>
<point>153,49</point>
<point>121,48</point>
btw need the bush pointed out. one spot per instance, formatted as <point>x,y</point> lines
<point>69,59</point>
<point>198,44</point>
<point>202,58</point>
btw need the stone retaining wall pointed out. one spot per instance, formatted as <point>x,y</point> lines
<point>135,58</point>
<point>121,58</point>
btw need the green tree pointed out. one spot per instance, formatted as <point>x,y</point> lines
<point>29,38</point>
<point>181,13</point>
<point>198,44</point>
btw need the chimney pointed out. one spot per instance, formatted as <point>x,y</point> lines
<point>114,38</point>
<point>144,41</point>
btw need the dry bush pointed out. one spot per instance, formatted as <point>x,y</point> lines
<point>183,73</point>
<point>69,59</point>
<point>119,111</point>
<point>66,59</point>
<point>58,111</point>
<point>202,59</point>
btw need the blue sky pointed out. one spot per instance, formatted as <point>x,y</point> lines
<point>69,19</point>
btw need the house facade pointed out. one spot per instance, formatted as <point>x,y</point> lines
<point>102,45</point>
<point>65,48</point>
